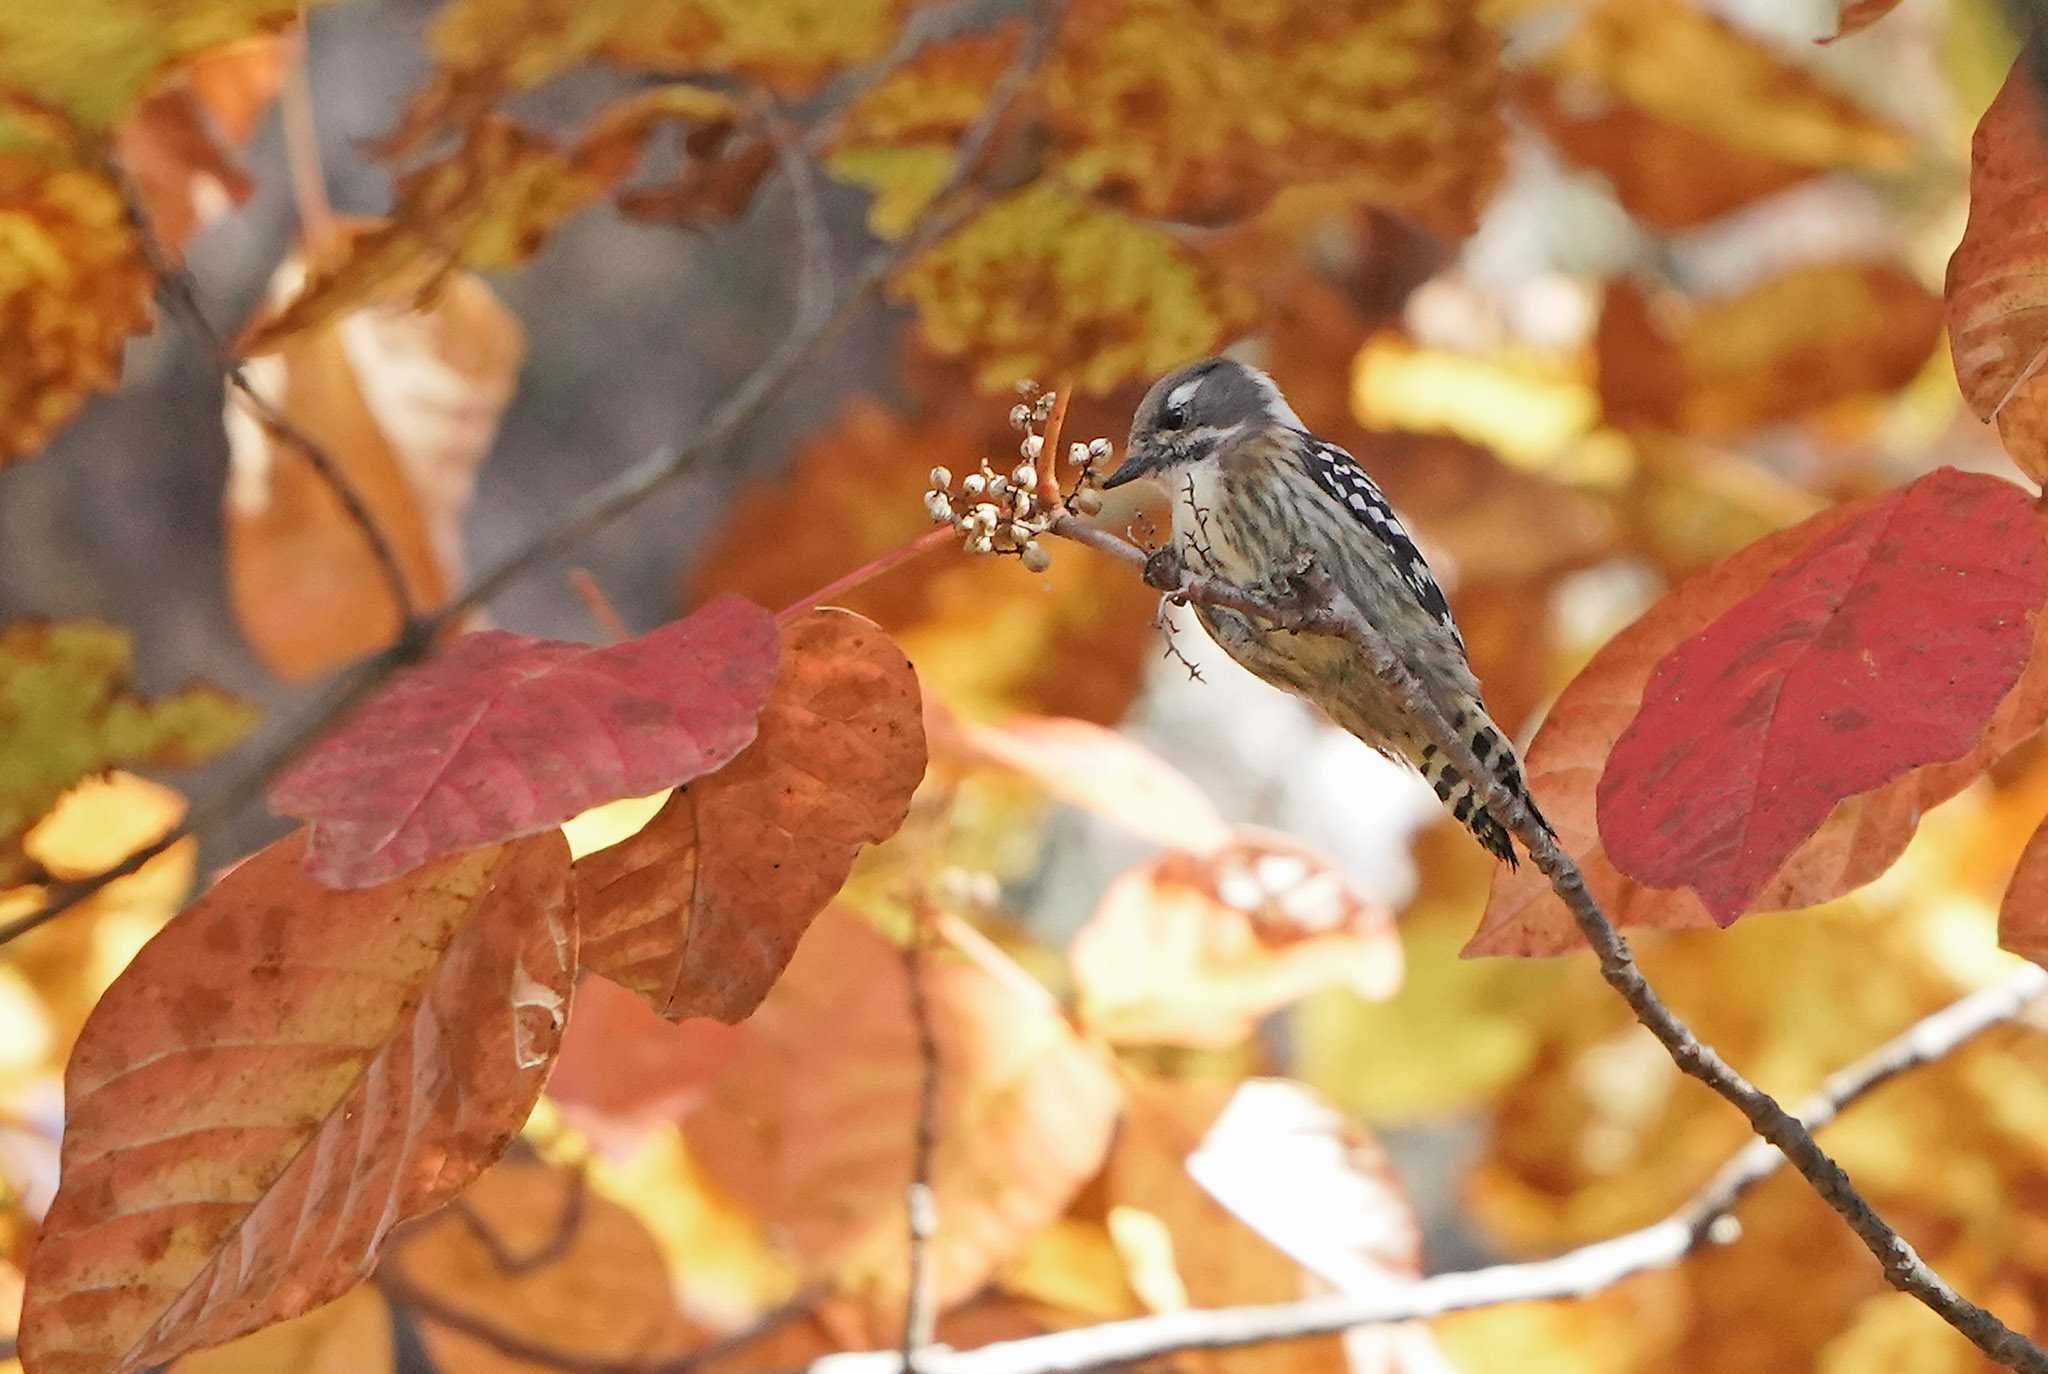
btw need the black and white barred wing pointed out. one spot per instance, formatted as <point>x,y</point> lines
<point>1339,474</point>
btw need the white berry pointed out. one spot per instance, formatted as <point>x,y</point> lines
<point>941,478</point>
<point>1035,556</point>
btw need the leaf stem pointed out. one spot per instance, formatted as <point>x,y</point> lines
<point>873,568</point>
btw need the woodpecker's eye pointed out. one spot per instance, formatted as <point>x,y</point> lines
<point>1173,417</point>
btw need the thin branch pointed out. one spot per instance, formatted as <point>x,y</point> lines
<point>1577,1273</point>
<point>1320,609</point>
<point>814,237</point>
<point>610,500</point>
<point>920,1205</point>
<point>180,295</point>
<point>548,1251</point>
<point>868,571</point>
<point>603,614</point>
<point>403,1292</point>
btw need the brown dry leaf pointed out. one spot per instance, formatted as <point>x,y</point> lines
<point>406,403</point>
<point>351,1335</point>
<point>1563,766</point>
<point>1684,66</point>
<point>1101,771</point>
<point>1998,329</point>
<point>809,1125</point>
<point>1668,175</point>
<point>283,1052</point>
<point>76,286</point>
<point>531,1251</point>
<point>179,146</point>
<point>1075,643</point>
<point>700,910</point>
<point>1197,949</point>
<point>1786,347</point>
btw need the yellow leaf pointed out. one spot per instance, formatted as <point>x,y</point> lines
<point>1042,284</point>
<point>73,286</point>
<point>68,709</point>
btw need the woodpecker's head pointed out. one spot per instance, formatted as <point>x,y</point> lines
<point>1193,414</point>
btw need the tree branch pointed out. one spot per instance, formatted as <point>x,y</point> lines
<point>608,501</point>
<point>1576,1273</point>
<point>1320,609</point>
<point>920,1206</point>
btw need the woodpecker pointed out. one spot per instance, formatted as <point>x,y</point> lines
<point>1254,493</point>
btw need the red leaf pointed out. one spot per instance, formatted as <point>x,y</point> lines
<point>700,911</point>
<point>283,1075</point>
<point>625,1072</point>
<point>1883,646</point>
<point>501,735</point>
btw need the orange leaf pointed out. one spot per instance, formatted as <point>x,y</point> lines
<point>1858,841</point>
<point>1190,950</point>
<point>1227,1170</point>
<point>1788,346</point>
<point>531,1252</point>
<point>1102,771</point>
<point>1686,66</point>
<point>1668,175</point>
<point>809,1124</point>
<point>1860,14</point>
<point>2023,915</point>
<point>624,1071</point>
<point>700,910</point>
<point>1997,324</point>
<point>406,403</point>
<point>279,1078</point>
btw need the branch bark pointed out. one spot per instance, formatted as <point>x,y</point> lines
<point>1704,1220</point>
<point>1320,609</point>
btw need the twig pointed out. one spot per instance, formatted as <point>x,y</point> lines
<point>181,297</point>
<point>920,1205</point>
<point>814,238</point>
<point>1576,1273</point>
<point>869,570</point>
<point>622,493</point>
<point>548,1251</point>
<point>302,140</point>
<point>1320,609</point>
<point>602,613</point>
<point>403,1292</point>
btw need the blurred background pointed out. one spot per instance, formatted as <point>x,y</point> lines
<point>1600,290</point>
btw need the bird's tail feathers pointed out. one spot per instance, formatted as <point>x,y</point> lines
<point>1491,747</point>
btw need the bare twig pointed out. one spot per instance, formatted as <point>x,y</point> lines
<point>611,499</point>
<point>1320,609</point>
<point>548,1251</point>
<point>603,614</point>
<point>1577,1273</point>
<point>920,1205</point>
<point>403,1292</point>
<point>181,297</point>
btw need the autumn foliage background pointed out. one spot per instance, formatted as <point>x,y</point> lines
<point>1650,317</point>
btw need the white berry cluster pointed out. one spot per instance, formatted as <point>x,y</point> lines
<point>997,512</point>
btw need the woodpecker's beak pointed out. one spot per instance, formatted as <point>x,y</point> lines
<point>1134,467</point>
